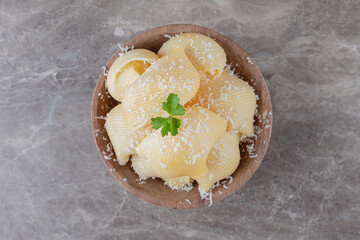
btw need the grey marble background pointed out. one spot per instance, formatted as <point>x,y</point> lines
<point>53,184</point>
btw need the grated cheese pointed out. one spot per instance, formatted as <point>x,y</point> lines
<point>101,117</point>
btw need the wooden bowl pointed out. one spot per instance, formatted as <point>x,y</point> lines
<point>153,190</point>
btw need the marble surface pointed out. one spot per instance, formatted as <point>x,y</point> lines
<point>53,184</point>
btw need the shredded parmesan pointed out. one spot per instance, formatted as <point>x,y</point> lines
<point>211,199</point>
<point>249,60</point>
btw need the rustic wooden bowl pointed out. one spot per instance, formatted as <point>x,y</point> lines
<point>152,190</point>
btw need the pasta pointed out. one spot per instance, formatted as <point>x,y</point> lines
<point>212,107</point>
<point>230,97</point>
<point>222,161</point>
<point>126,69</point>
<point>206,54</point>
<point>177,183</point>
<point>184,154</point>
<point>142,168</point>
<point>172,73</point>
<point>123,139</point>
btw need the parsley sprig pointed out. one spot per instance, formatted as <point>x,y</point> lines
<point>170,124</point>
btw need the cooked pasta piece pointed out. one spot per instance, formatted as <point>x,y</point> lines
<point>206,54</point>
<point>126,69</point>
<point>142,168</point>
<point>123,139</point>
<point>173,73</point>
<point>222,161</point>
<point>177,183</point>
<point>184,154</point>
<point>230,97</point>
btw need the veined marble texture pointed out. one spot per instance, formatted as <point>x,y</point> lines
<point>53,184</point>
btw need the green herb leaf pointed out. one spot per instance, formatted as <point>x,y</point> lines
<point>172,105</point>
<point>157,122</point>
<point>166,128</point>
<point>170,124</point>
<point>174,125</point>
<point>179,110</point>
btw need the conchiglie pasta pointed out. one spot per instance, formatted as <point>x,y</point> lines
<point>142,168</point>
<point>222,161</point>
<point>123,139</point>
<point>206,54</point>
<point>126,69</point>
<point>230,97</point>
<point>173,73</point>
<point>184,154</point>
<point>177,183</point>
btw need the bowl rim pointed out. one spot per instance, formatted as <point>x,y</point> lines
<point>203,202</point>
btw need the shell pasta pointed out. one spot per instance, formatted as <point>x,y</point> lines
<point>123,139</point>
<point>222,161</point>
<point>173,73</point>
<point>186,91</point>
<point>230,97</point>
<point>142,168</point>
<point>206,54</point>
<point>127,69</point>
<point>184,154</point>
